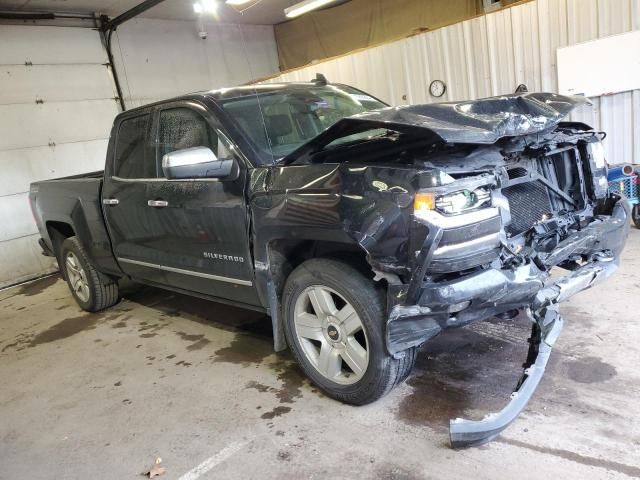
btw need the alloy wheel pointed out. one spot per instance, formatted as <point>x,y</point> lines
<point>331,334</point>
<point>77,277</point>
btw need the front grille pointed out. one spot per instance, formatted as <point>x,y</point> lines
<point>528,203</point>
<point>517,172</point>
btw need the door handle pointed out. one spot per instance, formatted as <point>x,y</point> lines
<point>157,203</point>
<point>110,201</point>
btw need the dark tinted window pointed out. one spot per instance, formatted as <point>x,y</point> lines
<point>131,159</point>
<point>182,128</point>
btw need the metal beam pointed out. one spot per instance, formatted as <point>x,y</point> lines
<point>129,14</point>
<point>26,16</point>
<point>108,27</point>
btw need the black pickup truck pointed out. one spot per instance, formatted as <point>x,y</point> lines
<point>362,230</point>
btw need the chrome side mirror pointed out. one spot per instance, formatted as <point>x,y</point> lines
<point>198,162</point>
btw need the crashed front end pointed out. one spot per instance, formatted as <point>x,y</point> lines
<point>488,233</point>
<point>464,209</point>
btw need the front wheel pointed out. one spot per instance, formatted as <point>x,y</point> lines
<point>635,215</point>
<point>334,325</point>
<point>92,290</point>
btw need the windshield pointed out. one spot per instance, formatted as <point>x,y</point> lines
<point>279,122</point>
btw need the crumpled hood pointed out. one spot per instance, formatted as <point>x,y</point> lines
<point>482,121</point>
<point>477,121</point>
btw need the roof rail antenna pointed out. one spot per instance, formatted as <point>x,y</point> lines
<point>320,80</point>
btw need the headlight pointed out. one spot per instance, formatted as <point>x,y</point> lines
<point>597,154</point>
<point>452,203</point>
<point>598,169</point>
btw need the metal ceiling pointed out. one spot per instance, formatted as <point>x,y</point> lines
<point>259,12</point>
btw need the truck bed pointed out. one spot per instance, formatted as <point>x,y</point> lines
<point>73,205</point>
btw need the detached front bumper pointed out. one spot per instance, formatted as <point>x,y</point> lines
<point>469,433</point>
<point>491,292</point>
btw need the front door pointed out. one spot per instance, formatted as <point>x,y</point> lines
<point>200,226</point>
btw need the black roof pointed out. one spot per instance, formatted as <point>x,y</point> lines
<point>264,88</point>
<point>233,92</point>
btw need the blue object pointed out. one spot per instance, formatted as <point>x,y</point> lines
<point>626,185</point>
<point>614,173</point>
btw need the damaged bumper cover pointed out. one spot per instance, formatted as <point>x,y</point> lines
<point>469,433</point>
<point>493,291</point>
<point>547,324</point>
<point>490,292</point>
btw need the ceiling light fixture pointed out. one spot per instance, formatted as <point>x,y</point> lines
<point>237,2</point>
<point>305,7</point>
<point>205,6</point>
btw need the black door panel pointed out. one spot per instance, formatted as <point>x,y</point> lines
<point>203,230</point>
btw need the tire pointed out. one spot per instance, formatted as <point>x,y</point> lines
<point>635,215</point>
<point>316,338</point>
<point>92,290</point>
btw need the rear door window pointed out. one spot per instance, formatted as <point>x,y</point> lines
<point>132,159</point>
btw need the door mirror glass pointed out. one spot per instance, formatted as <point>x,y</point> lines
<point>198,162</point>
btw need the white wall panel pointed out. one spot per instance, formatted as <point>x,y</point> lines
<point>526,48</point>
<point>15,211</point>
<point>30,125</point>
<point>454,65</point>
<point>477,57</point>
<point>50,45</point>
<point>501,59</point>
<point>21,260</point>
<point>552,33</point>
<point>159,59</point>
<point>614,16</point>
<point>55,83</point>
<point>582,20</point>
<point>22,166</point>
<point>491,55</point>
<point>65,134</point>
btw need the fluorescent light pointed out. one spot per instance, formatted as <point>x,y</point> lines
<point>197,7</point>
<point>305,7</point>
<point>237,2</point>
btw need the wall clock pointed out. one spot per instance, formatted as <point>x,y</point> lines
<point>437,88</point>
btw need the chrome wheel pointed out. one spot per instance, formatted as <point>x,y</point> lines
<point>331,335</point>
<point>77,277</point>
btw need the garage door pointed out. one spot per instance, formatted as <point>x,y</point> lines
<point>57,102</point>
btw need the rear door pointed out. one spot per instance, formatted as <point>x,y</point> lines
<point>130,167</point>
<point>201,226</point>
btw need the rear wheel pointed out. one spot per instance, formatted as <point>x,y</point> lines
<point>635,215</point>
<point>334,324</point>
<point>92,290</point>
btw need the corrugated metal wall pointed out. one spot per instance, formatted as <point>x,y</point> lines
<point>492,55</point>
<point>56,106</point>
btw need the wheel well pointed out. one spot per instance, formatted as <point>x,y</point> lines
<point>58,233</point>
<point>286,255</point>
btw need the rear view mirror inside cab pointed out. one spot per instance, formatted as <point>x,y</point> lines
<point>198,162</point>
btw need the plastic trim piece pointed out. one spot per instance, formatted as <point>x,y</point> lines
<point>166,268</point>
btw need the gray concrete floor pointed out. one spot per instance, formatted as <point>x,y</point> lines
<point>102,395</point>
